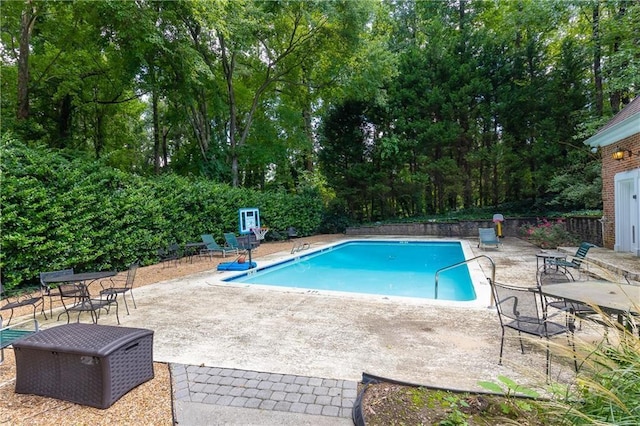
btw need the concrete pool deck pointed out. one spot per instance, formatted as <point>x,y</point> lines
<point>222,341</point>
<point>323,334</point>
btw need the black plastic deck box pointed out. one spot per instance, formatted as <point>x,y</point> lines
<point>88,364</point>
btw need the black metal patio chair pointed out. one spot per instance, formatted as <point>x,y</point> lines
<point>122,286</point>
<point>76,298</point>
<point>14,301</point>
<point>169,254</point>
<point>51,291</point>
<point>522,309</point>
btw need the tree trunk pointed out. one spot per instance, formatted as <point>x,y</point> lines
<point>28,19</point>
<point>198,114</point>
<point>616,97</point>
<point>597,59</point>
<point>156,131</point>
<point>99,139</point>
<point>64,122</point>
<point>308,130</point>
<point>228,66</point>
<point>163,148</point>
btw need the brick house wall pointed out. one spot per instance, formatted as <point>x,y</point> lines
<point>622,132</point>
<point>610,168</point>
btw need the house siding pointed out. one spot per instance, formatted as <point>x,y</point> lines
<point>610,168</point>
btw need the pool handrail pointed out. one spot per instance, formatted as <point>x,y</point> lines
<point>455,265</point>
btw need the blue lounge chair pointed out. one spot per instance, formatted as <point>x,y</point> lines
<point>488,237</point>
<point>232,241</point>
<point>213,247</point>
<point>10,334</point>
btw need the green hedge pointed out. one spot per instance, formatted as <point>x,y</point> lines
<point>58,213</point>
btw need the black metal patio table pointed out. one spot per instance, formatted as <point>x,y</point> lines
<point>622,300</point>
<point>83,277</point>
<point>82,281</point>
<point>192,249</point>
<point>548,256</point>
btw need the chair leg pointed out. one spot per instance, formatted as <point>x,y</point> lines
<point>133,299</point>
<point>521,344</point>
<point>60,314</point>
<point>573,349</point>
<point>34,311</point>
<point>118,317</point>
<point>501,347</point>
<point>51,307</point>
<point>570,274</point>
<point>125,303</point>
<point>10,316</point>
<point>42,310</point>
<point>548,361</point>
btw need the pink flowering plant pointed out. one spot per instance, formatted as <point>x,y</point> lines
<point>549,234</point>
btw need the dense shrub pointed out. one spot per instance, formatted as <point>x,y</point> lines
<point>336,218</point>
<point>59,213</point>
<point>546,234</point>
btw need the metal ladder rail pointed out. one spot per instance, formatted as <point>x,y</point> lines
<point>455,265</point>
<point>299,247</point>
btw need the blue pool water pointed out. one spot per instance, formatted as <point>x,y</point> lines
<point>393,268</point>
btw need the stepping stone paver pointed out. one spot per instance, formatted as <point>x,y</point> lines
<point>263,390</point>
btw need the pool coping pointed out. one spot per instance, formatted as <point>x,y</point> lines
<point>479,281</point>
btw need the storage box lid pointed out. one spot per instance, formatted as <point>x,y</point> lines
<point>82,339</point>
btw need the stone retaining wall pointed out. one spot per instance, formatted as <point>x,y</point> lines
<point>588,228</point>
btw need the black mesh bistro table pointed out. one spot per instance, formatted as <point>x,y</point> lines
<point>548,256</point>
<point>87,364</point>
<point>614,298</point>
<point>192,249</point>
<point>83,277</point>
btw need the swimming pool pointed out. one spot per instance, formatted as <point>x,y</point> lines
<point>389,267</point>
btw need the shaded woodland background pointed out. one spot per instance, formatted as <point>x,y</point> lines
<point>397,108</point>
<point>373,110</point>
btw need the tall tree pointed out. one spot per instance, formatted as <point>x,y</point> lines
<point>346,155</point>
<point>27,21</point>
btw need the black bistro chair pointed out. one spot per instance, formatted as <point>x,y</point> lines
<point>12,302</point>
<point>170,254</point>
<point>76,298</point>
<point>521,309</point>
<point>51,291</point>
<point>122,286</point>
